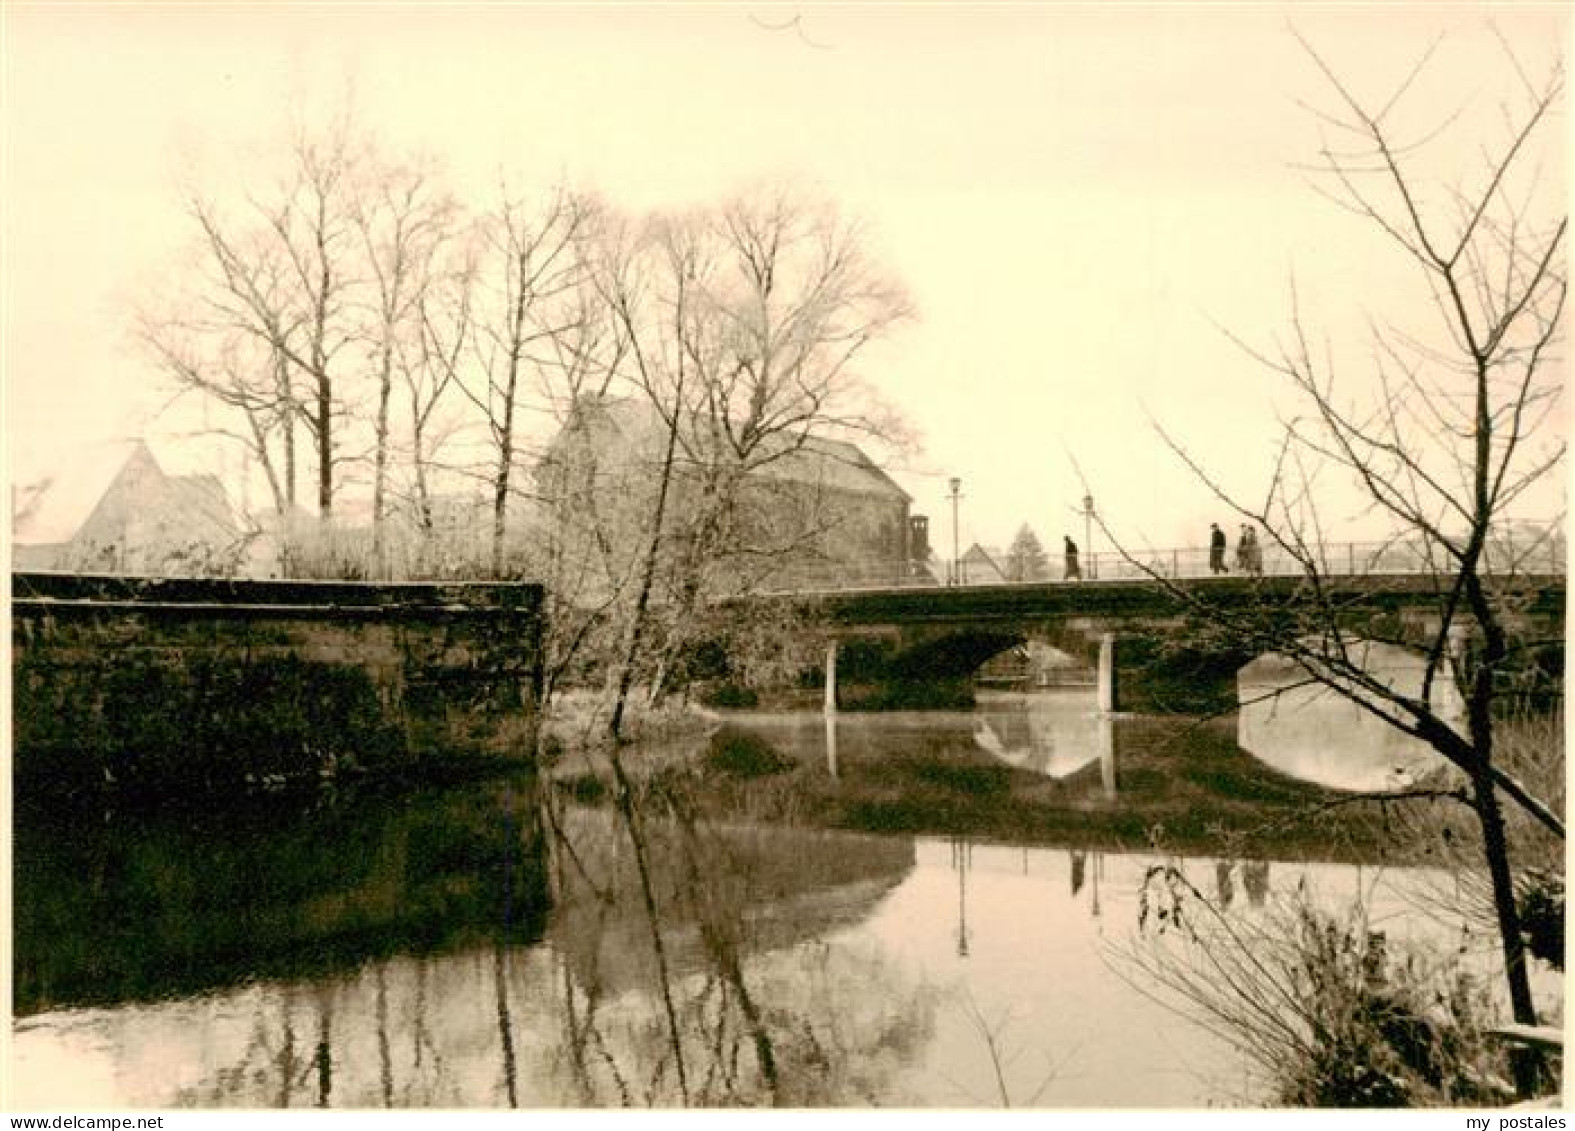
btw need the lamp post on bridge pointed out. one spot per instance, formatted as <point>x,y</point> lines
<point>956,484</point>
<point>1088,536</point>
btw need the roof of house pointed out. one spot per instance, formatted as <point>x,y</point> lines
<point>52,510</point>
<point>817,460</point>
<point>992,554</point>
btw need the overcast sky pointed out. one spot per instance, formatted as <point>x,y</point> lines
<point>1078,199</point>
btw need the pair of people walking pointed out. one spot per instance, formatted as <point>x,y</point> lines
<point>1249,554</point>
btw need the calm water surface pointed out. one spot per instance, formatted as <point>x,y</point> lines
<point>400,954</point>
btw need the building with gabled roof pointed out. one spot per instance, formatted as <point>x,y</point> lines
<point>128,516</point>
<point>983,565</point>
<point>811,511</point>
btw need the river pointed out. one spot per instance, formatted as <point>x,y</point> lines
<point>400,953</point>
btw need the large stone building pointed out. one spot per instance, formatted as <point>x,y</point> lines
<point>807,512</point>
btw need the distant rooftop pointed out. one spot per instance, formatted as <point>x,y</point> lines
<point>50,510</point>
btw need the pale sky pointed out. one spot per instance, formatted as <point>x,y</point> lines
<point>1076,198</point>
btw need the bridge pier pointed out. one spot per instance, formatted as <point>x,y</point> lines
<point>1448,699</point>
<point>1107,755</point>
<point>1109,681</point>
<point>830,705</point>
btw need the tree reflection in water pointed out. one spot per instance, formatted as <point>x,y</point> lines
<point>715,989</point>
<point>682,964</point>
<point>377,954</point>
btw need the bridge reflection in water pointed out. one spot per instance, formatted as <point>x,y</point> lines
<point>861,969</point>
<point>1318,735</point>
<point>869,991</point>
<point>1307,732</point>
<point>1054,735</point>
<point>1284,746</point>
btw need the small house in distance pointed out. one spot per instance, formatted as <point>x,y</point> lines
<point>982,565</point>
<point>124,513</point>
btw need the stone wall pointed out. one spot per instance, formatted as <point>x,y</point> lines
<point>165,686</point>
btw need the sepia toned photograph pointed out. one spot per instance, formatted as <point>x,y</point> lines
<point>823,556</point>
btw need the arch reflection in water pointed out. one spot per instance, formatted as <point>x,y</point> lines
<point>1316,734</point>
<point>1051,733</point>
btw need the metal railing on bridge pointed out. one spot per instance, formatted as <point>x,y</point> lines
<point>1531,555</point>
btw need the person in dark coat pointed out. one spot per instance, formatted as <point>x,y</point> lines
<point>1073,572</point>
<point>1216,549</point>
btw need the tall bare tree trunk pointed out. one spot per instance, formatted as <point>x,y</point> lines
<point>500,490</point>
<point>385,385</point>
<point>648,568</point>
<point>505,425</point>
<point>324,430</point>
<point>287,423</point>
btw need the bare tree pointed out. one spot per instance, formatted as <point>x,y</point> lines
<point>1454,429</point>
<point>402,219</point>
<point>530,262</point>
<point>218,334</point>
<point>430,372</point>
<point>266,323</point>
<point>311,222</point>
<point>666,338</point>
<point>789,301</point>
<point>741,325</point>
<point>229,367</point>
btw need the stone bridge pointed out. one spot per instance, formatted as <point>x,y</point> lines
<point>1150,642</point>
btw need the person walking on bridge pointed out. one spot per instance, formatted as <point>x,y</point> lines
<point>1072,572</point>
<point>1216,549</point>
<point>1251,551</point>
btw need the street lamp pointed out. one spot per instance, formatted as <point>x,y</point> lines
<point>1088,535</point>
<point>956,565</point>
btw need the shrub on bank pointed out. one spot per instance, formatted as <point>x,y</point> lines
<point>729,697</point>
<point>1387,1031</point>
<point>1329,1010</point>
<point>745,755</point>
<point>1540,896</point>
